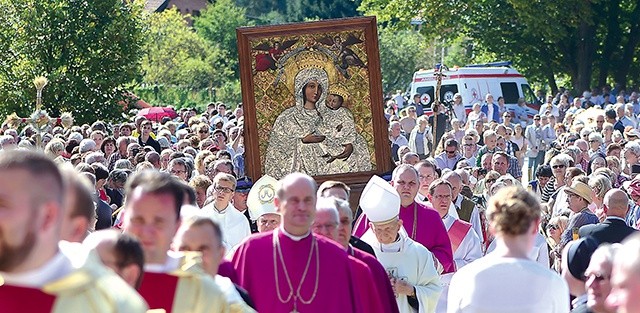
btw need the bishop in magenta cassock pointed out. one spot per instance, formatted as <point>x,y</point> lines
<point>290,269</point>
<point>421,223</point>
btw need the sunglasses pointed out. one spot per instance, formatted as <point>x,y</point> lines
<point>451,152</point>
<point>553,227</point>
<point>558,166</point>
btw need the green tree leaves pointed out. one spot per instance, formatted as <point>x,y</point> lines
<point>89,51</point>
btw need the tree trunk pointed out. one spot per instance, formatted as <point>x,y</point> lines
<point>585,54</point>
<point>620,75</point>
<point>551,80</point>
<point>611,41</point>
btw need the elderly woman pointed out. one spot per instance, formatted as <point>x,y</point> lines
<point>613,163</point>
<point>475,115</point>
<point>600,185</point>
<point>596,144</point>
<point>513,215</point>
<point>559,165</point>
<point>631,153</point>
<point>420,138</point>
<point>54,148</point>
<point>597,161</point>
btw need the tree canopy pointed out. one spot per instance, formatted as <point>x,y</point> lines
<point>88,50</point>
<point>592,42</point>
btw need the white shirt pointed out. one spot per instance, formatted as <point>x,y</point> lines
<point>400,141</point>
<point>234,224</point>
<point>170,264</point>
<point>490,112</point>
<point>469,250</point>
<point>495,284</point>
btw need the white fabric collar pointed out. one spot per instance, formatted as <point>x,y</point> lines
<point>172,263</point>
<point>294,237</point>
<point>395,246</point>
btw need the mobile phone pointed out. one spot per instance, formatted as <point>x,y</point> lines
<point>635,169</point>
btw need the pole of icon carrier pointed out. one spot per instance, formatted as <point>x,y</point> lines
<point>435,108</point>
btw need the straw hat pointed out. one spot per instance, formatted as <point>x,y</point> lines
<point>581,189</point>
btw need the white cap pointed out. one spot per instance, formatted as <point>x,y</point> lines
<point>380,201</point>
<point>261,197</point>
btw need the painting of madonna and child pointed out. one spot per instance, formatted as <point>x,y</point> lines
<point>312,99</point>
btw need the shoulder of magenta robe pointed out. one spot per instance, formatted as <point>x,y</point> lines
<point>361,226</point>
<point>256,272</point>
<point>381,279</point>
<point>367,294</point>
<point>430,232</point>
<point>226,269</point>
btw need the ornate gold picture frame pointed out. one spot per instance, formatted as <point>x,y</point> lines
<point>312,100</point>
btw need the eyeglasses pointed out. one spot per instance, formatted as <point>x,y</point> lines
<point>442,197</point>
<point>553,227</point>
<point>598,277</point>
<point>223,189</point>
<point>269,222</point>
<point>451,152</point>
<point>177,172</point>
<point>203,131</point>
<point>558,166</point>
<point>328,227</point>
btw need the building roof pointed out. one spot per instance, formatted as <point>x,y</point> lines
<point>156,5</point>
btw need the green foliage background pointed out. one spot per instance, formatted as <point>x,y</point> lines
<point>89,51</point>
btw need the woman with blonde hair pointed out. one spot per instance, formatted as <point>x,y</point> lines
<point>554,230</point>
<point>513,215</point>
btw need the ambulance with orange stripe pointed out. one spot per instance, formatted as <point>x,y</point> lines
<point>474,82</point>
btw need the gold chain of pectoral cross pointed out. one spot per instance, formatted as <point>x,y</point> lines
<point>278,250</point>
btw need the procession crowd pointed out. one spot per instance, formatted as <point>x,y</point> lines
<point>161,215</point>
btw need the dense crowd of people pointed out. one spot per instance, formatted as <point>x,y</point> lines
<point>161,215</point>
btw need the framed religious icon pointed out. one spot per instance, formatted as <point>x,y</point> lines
<point>312,100</point>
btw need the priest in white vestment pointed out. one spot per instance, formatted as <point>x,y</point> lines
<point>465,243</point>
<point>410,266</point>
<point>234,224</point>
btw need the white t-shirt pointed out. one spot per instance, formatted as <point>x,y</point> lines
<point>495,284</point>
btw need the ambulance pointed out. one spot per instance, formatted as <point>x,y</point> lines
<point>474,82</point>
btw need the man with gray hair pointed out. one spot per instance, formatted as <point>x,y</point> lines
<point>326,224</point>
<point>344,239</point>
